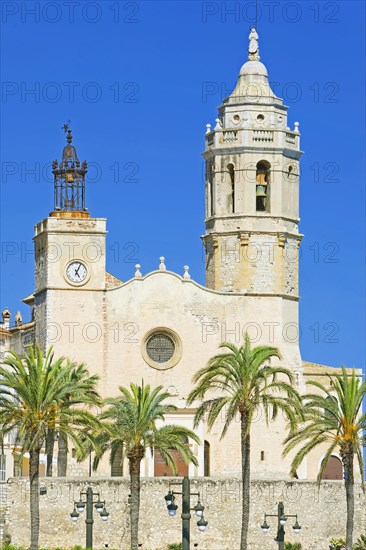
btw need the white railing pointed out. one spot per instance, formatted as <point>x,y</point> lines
<point>290,138</point>
<point>263,135</point>
<point>229,136</point>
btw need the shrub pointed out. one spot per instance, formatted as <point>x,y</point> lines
<point>360,544</point>
<point>176,546</point>
<point>337,544</point>
<point>293,546</point>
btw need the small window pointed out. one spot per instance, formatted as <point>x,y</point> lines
<point>206,456</point>
<point>117,463</point>
<point>260,118</point>
<point>2,467</point>
<point>262,455</point>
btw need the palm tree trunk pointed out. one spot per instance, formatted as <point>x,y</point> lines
<point>50,443</point>
<point>62,455</point>
<point>134,463</point>
<point>34,497</point>
<point>245,461</point>
<point>350,497</point>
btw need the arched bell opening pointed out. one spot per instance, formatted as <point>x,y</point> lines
<point>262,178</point>
<point>231,173</point>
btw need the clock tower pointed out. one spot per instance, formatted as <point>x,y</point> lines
<point>69,246</point>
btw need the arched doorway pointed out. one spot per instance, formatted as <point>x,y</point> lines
<point>162,469</point>
<point>333,469</point>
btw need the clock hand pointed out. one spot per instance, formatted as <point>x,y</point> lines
<point>77,271</point>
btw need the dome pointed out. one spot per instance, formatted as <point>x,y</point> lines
<point>253,67</point>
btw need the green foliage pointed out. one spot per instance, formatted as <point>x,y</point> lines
<point>176,546</point>
<point>333,421</point>
<point>293,546</point>
<point>246,383</point>
<point>39,393</point>
<point>131,424</point>
<point>12,547</point>
<point>337,544</point>
<point>360,544</point>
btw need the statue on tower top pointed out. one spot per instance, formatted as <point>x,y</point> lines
<point>253,50</point>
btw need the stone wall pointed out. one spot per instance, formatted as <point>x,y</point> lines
<point>321,513</point>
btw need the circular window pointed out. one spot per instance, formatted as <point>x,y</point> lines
<point>260,118</point>
<point>236,118</point>
<point>161,348</point>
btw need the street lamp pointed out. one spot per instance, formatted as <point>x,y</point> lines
<point>186,509</point>
<point>79,508</point>
<point>281,519</point>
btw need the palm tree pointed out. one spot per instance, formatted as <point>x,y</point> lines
<point>132,419</point>
<point>84,392</point>
<point>334,417</point>
<point>33,390</point>
<point>245,383</point>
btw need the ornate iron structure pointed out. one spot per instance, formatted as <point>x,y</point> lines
<point>69,179</point>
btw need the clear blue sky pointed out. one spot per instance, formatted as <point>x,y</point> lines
<point>139,81</point>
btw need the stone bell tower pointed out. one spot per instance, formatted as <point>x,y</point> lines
<point>252,190</point>
<point>69,253</point>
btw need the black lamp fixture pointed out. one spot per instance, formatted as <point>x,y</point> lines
<point>79,508</point>
<point>186,509</point>
<point>281,521</point>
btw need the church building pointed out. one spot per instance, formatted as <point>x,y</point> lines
<point>163,326</point>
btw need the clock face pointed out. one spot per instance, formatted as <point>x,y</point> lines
<point>76,272</point>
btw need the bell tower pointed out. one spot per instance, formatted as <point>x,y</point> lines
<point>69,250</point>
<point>252,189</point>
<point>69,183</point>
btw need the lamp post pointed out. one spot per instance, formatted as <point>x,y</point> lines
<point>89,520</point>
<point>281,520</point>
<point>186,509</point>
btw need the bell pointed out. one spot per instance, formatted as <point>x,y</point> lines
<point>261,191</point>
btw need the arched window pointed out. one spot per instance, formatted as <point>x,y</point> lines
<point>210,189</point>
<point>332,405</point>
<point>117,463</point>
<point>206,459</point>
<point>231,170</point>
<point>333,469</point>
<point>262,178</point>
<point>162,469</point>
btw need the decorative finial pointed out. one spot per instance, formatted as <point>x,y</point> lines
<point>218,124</point>
<point>208,128</point>
<point>69,137</point>
<point>296,127</point>
<point>253,51</point>
<point>6,314</point>
<point>18,319</point>
<point>6,317</point>
<point>162,266</point>
<point>138,273</point>
<point>186,274</point>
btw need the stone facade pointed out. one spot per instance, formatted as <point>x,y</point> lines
<point>220,496</point>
